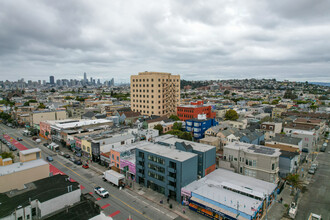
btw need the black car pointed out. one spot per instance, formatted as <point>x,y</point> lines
<point>66,155</point>
<point>78,162</point>
<point>305,150</point>
<point>72,159</point>
<point>19,139</point>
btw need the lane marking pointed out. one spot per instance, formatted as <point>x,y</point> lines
<point>131,207</point>
<point>91,193</point>
<point>98,199</point>
<point>114,214</point>
<point>105,206</point>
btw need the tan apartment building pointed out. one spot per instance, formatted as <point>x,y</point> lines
<point>39,116</point>
<point>155,93</point>
<point>18,174</point>
<point>252,160</point>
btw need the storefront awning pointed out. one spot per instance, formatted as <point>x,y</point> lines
<point>217,208</point>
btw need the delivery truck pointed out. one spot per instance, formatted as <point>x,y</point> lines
<point>115,178</point>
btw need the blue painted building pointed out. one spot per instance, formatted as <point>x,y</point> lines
<point>200,125</point>
<point>224,195</point>
<point>206,153</point>
<point>165,169</point>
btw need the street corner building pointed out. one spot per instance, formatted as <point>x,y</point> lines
<point>227,195</point>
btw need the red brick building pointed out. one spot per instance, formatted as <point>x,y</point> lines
<point>185,112</point>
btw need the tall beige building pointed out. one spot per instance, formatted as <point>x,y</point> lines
<point>155,93</point>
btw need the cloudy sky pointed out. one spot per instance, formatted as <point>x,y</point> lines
<point>211,39</point>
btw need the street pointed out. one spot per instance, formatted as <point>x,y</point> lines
<point>317,198</point>
<point>121,204</point>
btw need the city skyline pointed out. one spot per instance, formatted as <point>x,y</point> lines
<point>221,40</point>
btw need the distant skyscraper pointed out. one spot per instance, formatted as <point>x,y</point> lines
<point>52,80</point>
<point>112,82</point>
<point>98,82</point>
<point>85,77</point>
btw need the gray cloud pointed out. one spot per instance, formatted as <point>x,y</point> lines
<point>196,39</point>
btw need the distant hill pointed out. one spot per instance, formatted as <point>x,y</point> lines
<point>320,83</point>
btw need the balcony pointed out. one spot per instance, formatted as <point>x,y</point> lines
<point>172,170</point>
<point>173,188</point>
<point>140,175</point>
<point>140,159</point>
<point>139,166</point>
<point>172,179</point>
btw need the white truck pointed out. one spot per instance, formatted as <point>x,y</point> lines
<point>114,178</point>
<point>313,216</point>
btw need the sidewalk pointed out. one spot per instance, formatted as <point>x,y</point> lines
<point>277,210</point>
<point>156,197</point>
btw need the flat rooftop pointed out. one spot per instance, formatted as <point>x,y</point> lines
<point>168,152</point>
<point>215,186</point>
<point>30,151</point>
<point>79,123</point>
<point>43,190</point>
<point>17,167</point>
<point>252,148</point>
<point>171,140</point>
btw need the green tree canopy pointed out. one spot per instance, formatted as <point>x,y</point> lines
<point>231,115</point>
<point>226,92</point>
<point>177,126</point>
<point>174,117</point>
<point>294,181</point>
<point>41,106</point>
<point>275,102</point>
<point>5,155</point>
<point>159,127</point>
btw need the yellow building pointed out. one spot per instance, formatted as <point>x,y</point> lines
<point>86,147</point>
<point>155,93</point>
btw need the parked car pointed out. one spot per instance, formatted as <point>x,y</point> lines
<point>72,159</point>
<point>19,139</point>
<point>314,166</point>
<point>66,155</point>
<point>305,150</point>
<point>78,154</point>
<point>101,192</point>
<point>85,166</point>
<point>49,158</point>
<point>45,144</point>
<point>311,171</point>
<point>322,149</point>
<point>78,162</point>
<point>13,148</point>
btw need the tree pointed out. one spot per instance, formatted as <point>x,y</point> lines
<point>52,90</point>
<point>267,118</point>
<point>177,126</point>
<point>275,102</point>
<point>174,117</point>
<point>159,127</point>
<point>226,92</point>
<point>186,136</point>
<point>231,115</point>
<point>41,106</point>
<point>294,181</point>
<point>5,155</point>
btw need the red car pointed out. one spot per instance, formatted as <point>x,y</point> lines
<point>85,166</point>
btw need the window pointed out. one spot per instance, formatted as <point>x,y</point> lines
<point>20,218</point>
<point>27,216</point>
<point>34,212</point>
<point>273,166</point>
<point>117,158</point>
